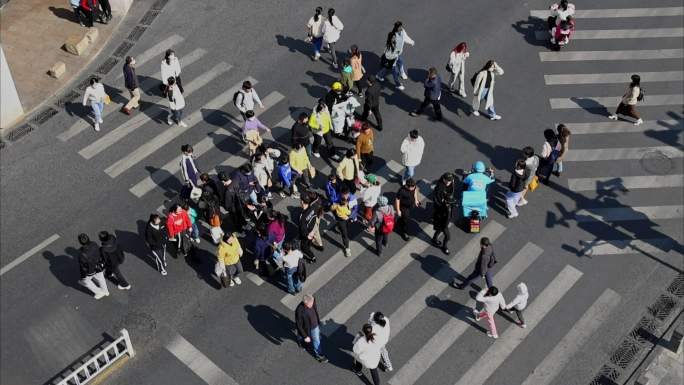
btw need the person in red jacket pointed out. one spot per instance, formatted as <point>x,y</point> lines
<point>177,223</point>
<point>90,8</point>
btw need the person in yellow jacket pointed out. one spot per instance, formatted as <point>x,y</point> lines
<point>348,170</point>
<point>342,212</point>
<point>301,166</point>
<point>321,125</point>
<point>365,145</point>
<point>228,265</point>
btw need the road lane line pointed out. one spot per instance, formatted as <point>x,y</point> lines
<point>580,333</point>
<point>609,127</point>
<point>627,246</point>
<point>586,155</point>
<point>514,336</point>
<point>196,361</point>
<point>153,111</point>
<point>155,51</point>
<point>611,101</point>
<point>169,134</point>
<point>611,78</point>
<point>653,54</point>
<point>429,353</point>
<point>636,213</point>
<point>615,13</point>
<point>200,148</point>
<point>636,33</point>
<point>625,182</point>
<point>28,254</point>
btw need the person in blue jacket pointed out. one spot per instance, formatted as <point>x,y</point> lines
<point>332,189</point>
<point>478,180</point>
<point>285,174</point>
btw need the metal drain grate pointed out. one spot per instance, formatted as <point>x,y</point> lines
<point>107,66</point>
<point>625,353</point>
<point>149,17</point>
<point>136,33</point>
<point>44,116</point>
<point>123,49</point>
<point>677,286</point>
<point>606,376</point>
<point>662,307</point>
<point>19,132</point>
<point>67,98</point>
<point>645,331</point>
<point>159,4</point>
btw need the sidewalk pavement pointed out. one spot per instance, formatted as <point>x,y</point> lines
<point>33,34</point>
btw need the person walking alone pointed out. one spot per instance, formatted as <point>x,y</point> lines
<point>170,68</point>
<point>406,200</point>
<point>332,28</point>
<point>372,102</point>
<point>95,95</point>
<point>342,213</point>
<point>113,257</point>
<point>365,144</point>
<point>382,223</point>
<point>228,266</point>
<point>155,238</point>
<point>176,103</point>
<point>483,88</point>
<point>432,94</point>
<point>381,328</point>
<point>131,83</point>
<point>412,148</point>
<point>493,301</point>
<point>485,262</point>
<point>456,67</point>
<point>629,101</point>
<point>519,304</point>
<point>315,32</point>
<point>92,267</point>
<point>308,326</point>
<point>246,99</point>
<point>367,353</point>
<point>516,187</point>
<point>443,197</point>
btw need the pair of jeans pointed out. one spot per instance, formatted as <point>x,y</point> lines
<point>194,231</point>
<point>317,44</point>
<point>333,54</point>
<point>558,166</point>
<point>490,321</point>
<point>95,283</point>
<point>409,172</point>
<point>435,105</point>
<point>483,96</point>
<point>177,115</point>
<point>477,273</point>
<point>395,74</point>
<point>315,335</point>
<point>374,372</point>
<point>512,199</point>
<point>97,110</point>
<point>400,65</point>
<point>292,287</point>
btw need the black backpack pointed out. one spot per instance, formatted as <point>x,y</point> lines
<point>642,95</point>
<point>301,270</point>
<point>235,97</point>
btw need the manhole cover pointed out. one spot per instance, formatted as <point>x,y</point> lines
<point>656,162</point>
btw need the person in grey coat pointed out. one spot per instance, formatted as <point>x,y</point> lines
<point>483,267</point>
<point>384,212</point>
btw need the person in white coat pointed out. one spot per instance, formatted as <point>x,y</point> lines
<point>493,301</point>
<point>381,328</point>
<point>332,27</point>
<point>314,31</point>
<point>367,353</point>
<point>519,304</point>
<point>412,148</point>
<point>401,38</point>
<point>176,103</point>
<point>456,67</point>
<point>247,99</point>
<point>170,68</point>
<point>483,89</point>
<point>95,95</point>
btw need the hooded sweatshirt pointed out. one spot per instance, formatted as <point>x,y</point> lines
<point>520,300</point>
<point>111,252</point>
<point>491,303</point>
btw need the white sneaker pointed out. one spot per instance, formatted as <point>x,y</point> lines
<point>100,121</point>
<point>521,202</point>
<point>613,117</point>
<point>510,216</point>
<point>347,252</point>
<point>462,94</point>
<point>97,127</point>
<point>495,117</point>
<point>237,280</point>
<point>182,124</point>
<point>380,79</point>
<point>163,272</point>
<point>169,122</point>
<point>106,294</point>
<point>476,113</point>
<point>401,87</point>
<point>124,287</point>
<point>522,326</point>
<point>495,336</point>
<point>98,296</point>
<point>232,283</point>
<point>404,76</point>
<point>317,155</point>
<point>638,122</point>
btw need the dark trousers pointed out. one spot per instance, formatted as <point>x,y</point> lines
<point>329,146</point>
<point>106,10</point>
<point>305,246</point>
<point>447,236</point>
<point>403,221</point>
<point>113,270</point>
<point>376,112</point>
<point>435,104</point>
<point>477,273</point>
<point>80,14</point>
<point>344,231</point>
<point>380,239</point>
<point>367,160</point>
<point>350,184</point>
<point>297,177</point>
<point>89,17</point>
<point>374,372</point>
<point>359,87</point>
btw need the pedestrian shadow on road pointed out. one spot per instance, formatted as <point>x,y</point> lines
<point>134,244</point>
<point>271,324</point>
<point>64,13</point>
<point>454,309</point>
<point>322,78</point>
<point>528,28</point>
<point>65,268</point>
<point>203,262</point>
<point>334,343</point>
<point>590,105</point>
<point>672,136</point>
<point>295,45</point>
<point>435,266</point>
<point>454,103</point>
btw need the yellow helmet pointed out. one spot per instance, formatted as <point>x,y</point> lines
<point>337,86</point>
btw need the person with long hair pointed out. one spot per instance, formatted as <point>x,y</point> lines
<point>367,353</point>
<point>170,68</point>
<point>456,66</point>
<point>356,61</point>
<point>629,101</point>
<point>483,88</point>
<point>314,32</point>
<point>388,61</point>
<point>401,38</point>
<point>332,27</point>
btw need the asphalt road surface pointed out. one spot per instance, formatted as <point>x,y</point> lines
<point>596,247</point>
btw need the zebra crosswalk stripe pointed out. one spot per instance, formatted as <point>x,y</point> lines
<point>627,246</point>
<point>635,213</point>
<point>200,148</point>
<point>146,86</point>
<point>616,13</point>
<point>123,164</point>
<point>512,337</point>
<point>155,51</point>
<point>150,113</point>
<point>611,78</point>
<point>609,127</point>
<point>625,182</point>
<point>612,102</point>
<point>636,33</point>
<point>587,155</point>
<point>429,353</point>
<point>652,54</point>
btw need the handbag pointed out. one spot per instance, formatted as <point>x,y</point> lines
<point>107,99</point>
<point>195,193</point>
<point>534,183</point>
<point>216,234</point>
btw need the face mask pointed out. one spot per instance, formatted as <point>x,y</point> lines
<point>347,69</point>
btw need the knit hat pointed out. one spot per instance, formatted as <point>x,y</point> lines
<point>371,178</point>
<point>382,200</point>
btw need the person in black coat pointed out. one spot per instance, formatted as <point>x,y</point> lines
<point>483,266</point>
<point>301,132</point>
<point>516,187</point>
<point>308,326</point>
<point>131,83</point>
<point>443,197</point>
<point>91,267</point>
<point>113,257</point>
<point>156,237</point>
<point>372,101</point>
<point>307,225</point>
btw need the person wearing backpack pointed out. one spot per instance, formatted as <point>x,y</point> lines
<point>629,100</point>
<point>92,267</point>
<point>486,260</point>
<point>483,88</point>
<point>383,223</point>
<point>549,154</point>
<point>246,99</point>
<point>516,187</point>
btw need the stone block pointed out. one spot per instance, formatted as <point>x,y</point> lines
<point>57,70</point>
<point>92,34</point>
<point>76,44</point>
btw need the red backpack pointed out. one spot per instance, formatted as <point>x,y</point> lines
<point>387,222</point>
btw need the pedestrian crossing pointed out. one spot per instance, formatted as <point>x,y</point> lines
<point>611,78</point>
<point>635,33</point>
<point>647,54</point>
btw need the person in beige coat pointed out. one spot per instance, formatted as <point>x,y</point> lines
<point>629,101</point>
<point>483,89</point>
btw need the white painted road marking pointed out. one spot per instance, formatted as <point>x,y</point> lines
<point>628,246</point>
<point>455,327</point>
<point>586,155</point>
<point>625,182</point>
<point>653,54</point>
<point>637,213</point>
<point>514,336</point>
<point>635,33</point>
<point>609,126</point>
<point>612,102</point>
<point>200,364</point>
<point>580,333</point>
<point>28,254</point>
<point>612,78</point>
<point>615,13</point>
